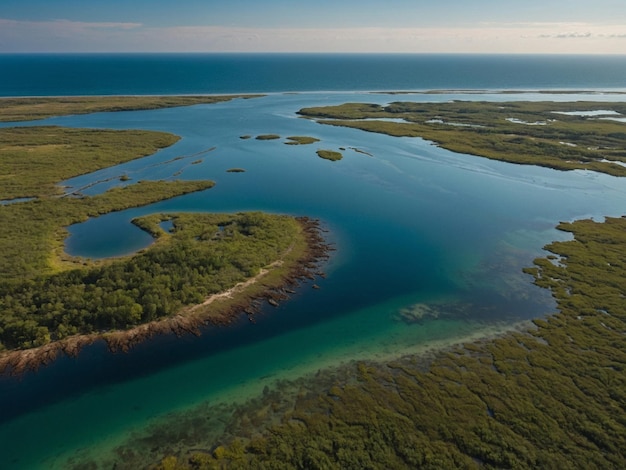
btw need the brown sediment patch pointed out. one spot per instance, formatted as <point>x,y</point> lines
<point>272,284</point>
<point>17,362</point>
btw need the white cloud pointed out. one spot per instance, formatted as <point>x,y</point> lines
<point>63,35</point>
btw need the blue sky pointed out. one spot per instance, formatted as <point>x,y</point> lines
<point>487,26</point>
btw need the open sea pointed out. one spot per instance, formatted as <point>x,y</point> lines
<point>412,224</point>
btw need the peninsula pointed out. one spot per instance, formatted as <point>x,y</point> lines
<point>30,109</point>
<point>52,302</point>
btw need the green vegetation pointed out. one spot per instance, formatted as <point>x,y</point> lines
<point>35,159</point>
<point>47,296</point>
<point>301,140</point>
<point>329,155</point>
<point>552,397</point>
<point>202,255</point>
<point>33,232</point>
<point>267,137</point>
<point>29,109</point>
<point>235,170</point>
<point>31,241</point>
<point>531,133</point>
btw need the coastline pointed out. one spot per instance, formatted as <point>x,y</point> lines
<point>275,283</point>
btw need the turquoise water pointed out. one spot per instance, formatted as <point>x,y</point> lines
<point>412,223</point>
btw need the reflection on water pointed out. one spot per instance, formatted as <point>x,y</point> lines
<point>430,247</point>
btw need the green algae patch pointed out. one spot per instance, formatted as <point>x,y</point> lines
<point>301,140</point>
<point>267,137</point>
<point>563,136</point>
<point>235,170</point>
<point>29,109</point>
<point>330,155</point>
<point>551,396</point>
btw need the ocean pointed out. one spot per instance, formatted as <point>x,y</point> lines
<point>412,224</point>
<point>149,74</point>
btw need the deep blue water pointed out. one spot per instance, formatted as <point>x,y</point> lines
<point>412,223</point>
<point>141,74</point>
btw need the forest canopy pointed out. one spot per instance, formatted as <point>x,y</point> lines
<point>202,254</point>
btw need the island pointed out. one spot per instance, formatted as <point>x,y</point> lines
<point>301,140</point>
<point>331,155</point>
<point>563,136</point>
<point>267,137</point>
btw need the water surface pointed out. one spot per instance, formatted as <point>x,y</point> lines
<point>412,223</point>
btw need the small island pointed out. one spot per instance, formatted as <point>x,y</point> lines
<point>330,155</point>
<point>267,137</point>
<point>235,170</point>
<point>301,140</point>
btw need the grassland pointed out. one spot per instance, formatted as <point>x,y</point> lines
<point>36,159</point>
<point>30,109</point>
<point>529,133</point>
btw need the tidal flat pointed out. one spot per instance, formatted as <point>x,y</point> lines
<point>382,207</point>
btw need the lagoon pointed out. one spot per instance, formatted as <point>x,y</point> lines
<point>412,223</point>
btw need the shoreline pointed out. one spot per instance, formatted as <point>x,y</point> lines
<point>279,397</point>
<point>246,297</point>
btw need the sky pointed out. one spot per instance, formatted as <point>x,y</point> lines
<point>395,26</point>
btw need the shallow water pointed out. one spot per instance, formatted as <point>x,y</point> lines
<point>412,223</point>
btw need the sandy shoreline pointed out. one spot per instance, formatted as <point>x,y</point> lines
<point>218,309</point>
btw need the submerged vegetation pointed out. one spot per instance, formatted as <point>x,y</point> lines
<point>29,109</point>
<point>532,133</point>
<point>550,397</point>
<point>329,155</point>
